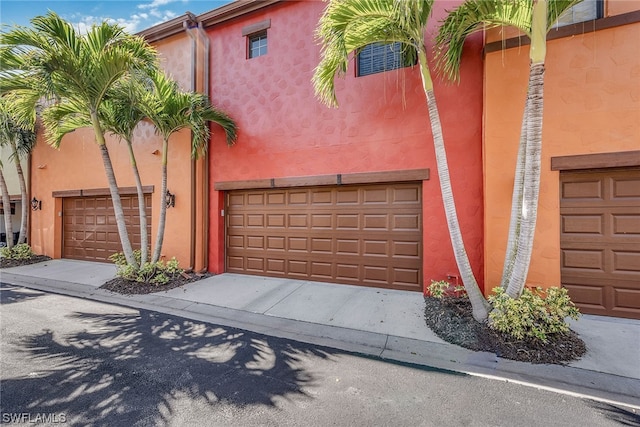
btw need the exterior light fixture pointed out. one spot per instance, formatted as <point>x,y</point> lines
<point>170,199</point>
<point>36,204</point>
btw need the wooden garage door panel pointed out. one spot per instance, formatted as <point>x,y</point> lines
<point>600,240</point>
<point>89,227</point>
<point>369,235</point>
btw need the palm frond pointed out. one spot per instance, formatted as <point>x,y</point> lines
<point>474,16</point>
<point>346,26</point>
<point>62,118</point>
<point>171,109</point>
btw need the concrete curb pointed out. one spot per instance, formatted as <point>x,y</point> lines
<point>590,384</point>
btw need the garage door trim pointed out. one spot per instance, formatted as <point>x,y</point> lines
<point>124,191</point>
<point>408,175</point>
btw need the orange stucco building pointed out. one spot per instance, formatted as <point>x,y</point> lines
<point>585,240</point>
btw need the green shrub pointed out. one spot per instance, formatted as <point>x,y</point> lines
<point>441,289</point>
<point>19,251</point>
<point>157,273</point>
<point>534,314</point>
<point>438,289</point>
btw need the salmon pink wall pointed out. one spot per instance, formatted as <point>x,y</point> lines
<point>381,124</point>
<point>591,105</point>
<point>78,165</point>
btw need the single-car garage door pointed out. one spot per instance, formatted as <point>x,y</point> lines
<point>600,240</point>
<point>89,226</point>
<point>364,235</point>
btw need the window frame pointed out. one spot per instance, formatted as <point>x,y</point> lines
<point>599,14</point>
<point>259,36</point>
<point>256,30</point>
<point>400,63</point>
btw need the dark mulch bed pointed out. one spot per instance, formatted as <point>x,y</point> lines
<point>129,287</point>
<point>450,318</point>
<point>8,263</point>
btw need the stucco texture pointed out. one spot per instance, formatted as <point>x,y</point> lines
<point>381,124</point>
<point>78,165</point>
<point>591,105</point>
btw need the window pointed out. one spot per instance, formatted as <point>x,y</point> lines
<point>380,57</point>
<point>257,44</point>
<point>12,209</point>
<point>584,11</point>
<point>256,35</point>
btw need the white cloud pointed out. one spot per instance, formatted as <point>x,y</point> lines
<point>84,23</point>
<point>151,13</point>
<point>157,3</point>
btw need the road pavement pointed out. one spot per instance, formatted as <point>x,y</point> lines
<point>90,363</point>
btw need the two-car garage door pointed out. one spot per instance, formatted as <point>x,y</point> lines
<point>365,235</point>
<point>600,240</point>
<point>89,226</point>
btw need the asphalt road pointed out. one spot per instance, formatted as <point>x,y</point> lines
<point>70,361</point>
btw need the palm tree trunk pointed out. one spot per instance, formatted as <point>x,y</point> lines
<point>478,302</point>
<point>24,198</point>
<point>142,211</point>
<point>163,205</point>
<point>6,208</point>
<point>533,151</point>
<point>516,202</point>
<point>127,250</point>
<point>531,187</point>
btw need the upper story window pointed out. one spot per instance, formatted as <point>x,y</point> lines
<point>256,38</point>
<point>258,44</point>
<point>379,57</point>
<point>586,10</point>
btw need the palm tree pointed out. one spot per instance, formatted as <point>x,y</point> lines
<point>347,26</point>
<point>171,110</point>
<point>6,206</point>
<point>120,113</point>
<point>21,138</point>
<point>75,72</point>
<point>534,18</point>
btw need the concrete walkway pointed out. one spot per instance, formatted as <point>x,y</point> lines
<point>381,323</point>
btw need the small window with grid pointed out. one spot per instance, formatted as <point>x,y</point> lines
<point>257,44</point>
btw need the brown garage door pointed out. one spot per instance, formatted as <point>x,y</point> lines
<point>600,240</point>
<point>364,235</point>
<point>89,226</point>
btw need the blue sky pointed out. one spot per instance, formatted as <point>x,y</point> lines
<point>133,15</point>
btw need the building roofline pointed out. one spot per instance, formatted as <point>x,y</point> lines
<point>221,14</point>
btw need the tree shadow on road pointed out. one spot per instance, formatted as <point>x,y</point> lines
<point>10,294</point>
<point>130,368</point>
<point>617,414</point>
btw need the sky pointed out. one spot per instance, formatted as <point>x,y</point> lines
<point>133,15</point>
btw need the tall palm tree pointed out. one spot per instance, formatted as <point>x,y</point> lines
<point>75,71</point>
<point>171,110</point>
<point>347,26</point>
<point>20,136</point>
<point>534,18</point>
<point>120,113</point>
<point>6,206</point>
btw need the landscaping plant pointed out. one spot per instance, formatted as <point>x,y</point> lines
<point>19,251</point>
<point>157,273</point>
<point>536,314</point>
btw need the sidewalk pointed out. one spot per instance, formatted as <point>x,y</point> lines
<point>380,323</point>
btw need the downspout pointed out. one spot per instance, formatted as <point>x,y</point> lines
<point>192,237</point>
<point>205,185</point>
